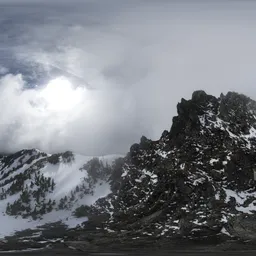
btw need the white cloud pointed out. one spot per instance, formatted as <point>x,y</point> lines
<point>139,59</point>
<point>83,120</point>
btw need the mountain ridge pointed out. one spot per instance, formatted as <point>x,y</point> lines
<point>197,180</point>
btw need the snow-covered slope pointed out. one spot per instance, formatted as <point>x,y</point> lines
<point>38,188</point>
<point>198,180</point>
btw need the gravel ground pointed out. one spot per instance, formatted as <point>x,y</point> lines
<point>142,252</point>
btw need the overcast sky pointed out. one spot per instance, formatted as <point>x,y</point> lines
<point>137,59</point>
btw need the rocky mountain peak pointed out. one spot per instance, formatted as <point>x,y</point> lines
<point>196,177</point>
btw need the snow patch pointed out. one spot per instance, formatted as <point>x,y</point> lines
<point>241,197</point>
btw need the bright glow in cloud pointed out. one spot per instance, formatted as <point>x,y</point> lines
<point>59,95</point>
<point>60,116</point>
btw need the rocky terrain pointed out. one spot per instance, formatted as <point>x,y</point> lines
<point>196,183</point>
<point>197,180</point>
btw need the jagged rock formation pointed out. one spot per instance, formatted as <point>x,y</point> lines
<point>195,179</point>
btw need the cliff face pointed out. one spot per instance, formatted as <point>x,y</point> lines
<point>197,179</point>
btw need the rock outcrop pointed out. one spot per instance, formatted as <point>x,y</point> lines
<point>195,179</point>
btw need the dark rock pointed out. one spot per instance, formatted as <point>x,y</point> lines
<point>199,96</point>
<point>184,175</point>
<point>243,226</point>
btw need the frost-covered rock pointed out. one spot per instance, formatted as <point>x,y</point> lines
<point>196,177</point>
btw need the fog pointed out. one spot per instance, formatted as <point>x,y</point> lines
<point>130,61</point>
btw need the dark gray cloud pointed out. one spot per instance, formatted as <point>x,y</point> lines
<point>136,59</point>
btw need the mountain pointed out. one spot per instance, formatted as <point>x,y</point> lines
<point>38,188</point>
<point>197,181</point>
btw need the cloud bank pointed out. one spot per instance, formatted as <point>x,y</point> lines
<point>134,61</point>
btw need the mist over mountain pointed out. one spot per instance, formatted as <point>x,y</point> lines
<point>198,180</point>
<point>95,152</point>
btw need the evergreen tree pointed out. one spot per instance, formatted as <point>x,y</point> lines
<point>52,185</point>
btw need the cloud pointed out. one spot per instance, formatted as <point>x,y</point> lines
<point>74,118</point>
<point>136,59</point>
